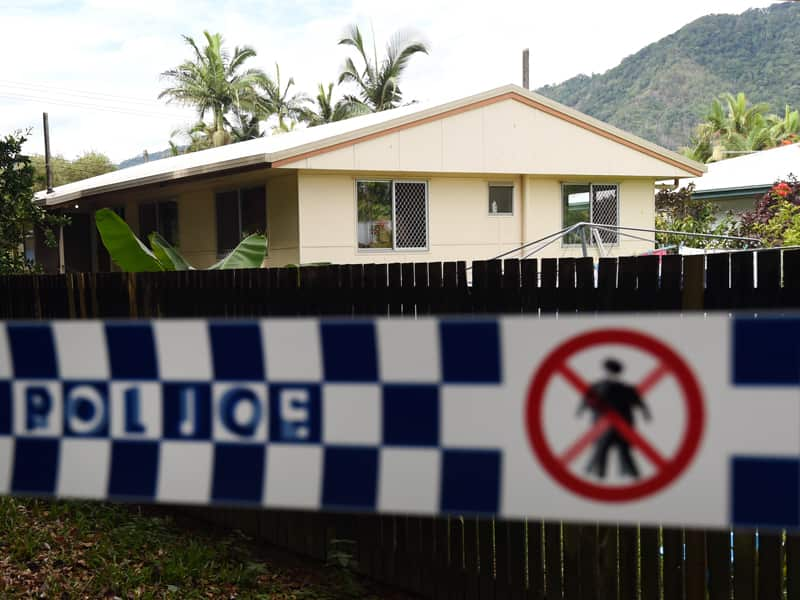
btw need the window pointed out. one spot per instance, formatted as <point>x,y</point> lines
<point>161,217</point>
<point>501,199</point>
<point>595,203</point>
<point>392,215</point>
<point>239,214</point>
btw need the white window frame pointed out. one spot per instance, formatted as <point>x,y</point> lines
<point>392,183</point>
<point>510,184</point>
<point>591,184</point>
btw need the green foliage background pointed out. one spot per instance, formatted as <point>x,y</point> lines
<point>661,92</point>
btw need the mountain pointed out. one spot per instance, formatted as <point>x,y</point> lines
<point>661,92</point>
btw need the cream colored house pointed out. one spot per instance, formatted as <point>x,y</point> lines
<point>468,179</point>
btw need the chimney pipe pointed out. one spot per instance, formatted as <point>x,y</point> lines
<point>48,169</point>
<point>526,69</point>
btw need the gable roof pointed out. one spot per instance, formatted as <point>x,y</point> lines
<point>748,174</point>
<point>278,150</point>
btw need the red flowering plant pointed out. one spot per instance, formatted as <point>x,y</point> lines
<point>776,215</point>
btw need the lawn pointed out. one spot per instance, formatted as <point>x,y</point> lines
<point>71,550</point>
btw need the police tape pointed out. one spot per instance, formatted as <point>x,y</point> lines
<point>513,416</point>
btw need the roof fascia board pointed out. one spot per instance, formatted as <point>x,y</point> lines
<point>731,192</point>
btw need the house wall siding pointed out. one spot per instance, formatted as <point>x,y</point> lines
<point>197,230</point>
<point>502,137</point>
<point>460,226</point>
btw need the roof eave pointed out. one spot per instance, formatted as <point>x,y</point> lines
<point>56,199</point>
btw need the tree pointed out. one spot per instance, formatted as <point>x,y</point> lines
<point>88,164</point>
<point>132,256</point>
<point>775,218</point>
<point>677,210</point>
<point>215,82</point>
<point>785,130</point>
<point>731,125</point>
<point>19,215</point>
<point>277,100</point>
<point>325,110</point>
<point>378,83</point>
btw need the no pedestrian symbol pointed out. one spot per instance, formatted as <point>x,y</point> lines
<point>584,408</point>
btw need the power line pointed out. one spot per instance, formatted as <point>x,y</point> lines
<point>83,93</point>
<point>120,110</point>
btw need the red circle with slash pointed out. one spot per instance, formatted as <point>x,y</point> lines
<point>669,363</point>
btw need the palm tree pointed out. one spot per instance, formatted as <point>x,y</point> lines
<point>378,83</point>
<point>732,124</point>
<point>326,111</point>
<point>289,108</point>
<point>787,129</point>
<point>214,82</point>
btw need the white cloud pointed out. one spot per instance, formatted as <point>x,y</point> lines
<point>118,49</point>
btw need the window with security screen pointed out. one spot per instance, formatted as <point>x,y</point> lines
<point>592,203</point>
<point>392,215</point>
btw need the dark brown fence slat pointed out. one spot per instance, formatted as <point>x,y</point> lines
<point>742,279</point>
<point>791,279</point>
<point>512,297</point>
<point>552,559</point>
<point>647,282</point>
<point>486,557</point>
<point>670,290</point>
<point>695,562</point>
<point>769,565</point>
<point>693,282</point>
<point>626,298</point>
<point>606,283</point>
<point>793,566</point>
<point>535,560</point>
<point>502,551</point>
<point>607,584</point>
<point>572,572</point>
<point>547,285</point>
<point>471,557</point>
<point>516,560</point>
<point>530,285</point>
<point>650,559</point>
<point>566,297</point>
<point>628,563</point>
<point>587,293</point>
<point>744,564</point>
<point>673,568</point>
<point>589,572</point>
<point>768,278</point>
<point>718,547</point>
<point>429,564</point>
<point>717,277</point>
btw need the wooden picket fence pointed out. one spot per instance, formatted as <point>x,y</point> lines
<point>467,558</point>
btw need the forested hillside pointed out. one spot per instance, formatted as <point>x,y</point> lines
<point>662,91</point>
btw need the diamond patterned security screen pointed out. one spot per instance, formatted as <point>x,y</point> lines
<point>411,214</point>
<point>605,210</point>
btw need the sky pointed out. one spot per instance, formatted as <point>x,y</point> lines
<point>94,65</point>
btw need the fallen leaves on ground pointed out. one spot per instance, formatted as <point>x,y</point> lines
<point>83,550</point>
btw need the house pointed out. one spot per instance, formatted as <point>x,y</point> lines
<point>467,179</point>
<point>735,184</point>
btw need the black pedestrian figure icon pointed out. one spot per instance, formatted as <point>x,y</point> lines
<point>612,394</point>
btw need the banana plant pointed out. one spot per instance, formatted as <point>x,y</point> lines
<point>133,256</point>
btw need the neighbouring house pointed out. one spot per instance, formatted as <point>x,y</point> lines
<point>735,184</point>
<point>467,179</point>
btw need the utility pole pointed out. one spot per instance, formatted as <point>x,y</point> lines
<point>48,170</point>
<point>526,69</point>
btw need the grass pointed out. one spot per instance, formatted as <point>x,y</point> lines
<point>71,550</point>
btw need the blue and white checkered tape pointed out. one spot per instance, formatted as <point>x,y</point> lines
<point>413,416</point>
